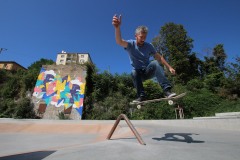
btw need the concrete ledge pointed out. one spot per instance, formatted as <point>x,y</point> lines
<point>208,123</point>
<point>224,124</point>
<point>227,114</point>
<point>217,117</point>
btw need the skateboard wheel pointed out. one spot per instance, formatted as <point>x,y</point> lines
<point>139,106</point>
<point>170,102</point>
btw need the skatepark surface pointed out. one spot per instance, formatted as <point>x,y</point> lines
<point>204,139</point>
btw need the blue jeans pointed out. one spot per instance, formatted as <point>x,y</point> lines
<point>152,70</point>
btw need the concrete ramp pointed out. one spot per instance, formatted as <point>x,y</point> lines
<point>165,139</point>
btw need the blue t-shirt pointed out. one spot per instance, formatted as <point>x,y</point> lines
<point>140,55</point>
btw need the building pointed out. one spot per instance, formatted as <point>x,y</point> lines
<point>11,65</point>
<point>65,58</point>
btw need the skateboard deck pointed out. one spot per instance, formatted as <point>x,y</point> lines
<point>170,100</point>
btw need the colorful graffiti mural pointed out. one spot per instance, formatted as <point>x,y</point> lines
<point>58,91</point>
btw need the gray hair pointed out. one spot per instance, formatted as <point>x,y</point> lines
<point>141,29</point>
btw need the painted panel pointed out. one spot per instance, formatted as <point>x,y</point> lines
<point>60,91</point>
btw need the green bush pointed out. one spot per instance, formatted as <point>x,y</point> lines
<point>7,108</point>
<point>62,116</point>
<point>228,106</point>
<point>152,89</point>
<point>24,109</point>
<point>201,103</point>
<point>111,107</point>
<point>195,84</point>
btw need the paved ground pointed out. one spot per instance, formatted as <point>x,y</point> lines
<point>168,140</point>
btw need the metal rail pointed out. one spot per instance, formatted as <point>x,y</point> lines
<point>137,135</point>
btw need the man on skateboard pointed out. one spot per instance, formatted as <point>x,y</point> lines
<point>139,53</point>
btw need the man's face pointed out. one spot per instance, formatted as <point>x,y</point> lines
<point>140,37</point>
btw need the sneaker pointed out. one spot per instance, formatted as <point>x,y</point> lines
<point>169,94</point>
<point>139,99</point>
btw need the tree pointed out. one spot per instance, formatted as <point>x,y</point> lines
<point>213,70</point>
<point>175,45</point>
<point>209,66</point>
<point>219,56</point>
<point>11,88</point>
<point>90,83</point>
<point>38,64</point>
<point>14,85</point>
<point>33,70</point>
<point>216,61</point>
<point>3,76</point>
<point>232,83</point>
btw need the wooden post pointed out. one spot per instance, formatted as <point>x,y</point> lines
<point>180,112</point>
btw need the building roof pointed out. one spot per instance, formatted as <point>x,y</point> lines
<point>13,62</point>
<point>63,52</point>
<point>73,53</point>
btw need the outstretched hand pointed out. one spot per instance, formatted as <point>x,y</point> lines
<point>116,21</point>
<point>172,70</point>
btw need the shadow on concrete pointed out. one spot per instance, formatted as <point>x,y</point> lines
<point>32,155</point>
<point>178,137</point>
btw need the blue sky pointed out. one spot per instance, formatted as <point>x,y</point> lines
<point>35,29</point>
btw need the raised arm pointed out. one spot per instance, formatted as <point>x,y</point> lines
<point>116,22</point>
<point>161,59</point>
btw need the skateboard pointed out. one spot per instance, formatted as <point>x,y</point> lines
<point>170,100</point>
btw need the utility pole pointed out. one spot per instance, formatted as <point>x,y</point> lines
<point>2,49</point>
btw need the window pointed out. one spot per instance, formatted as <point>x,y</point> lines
<point>82,56</point>
<point>81,61</point>
<point>62,56</point>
